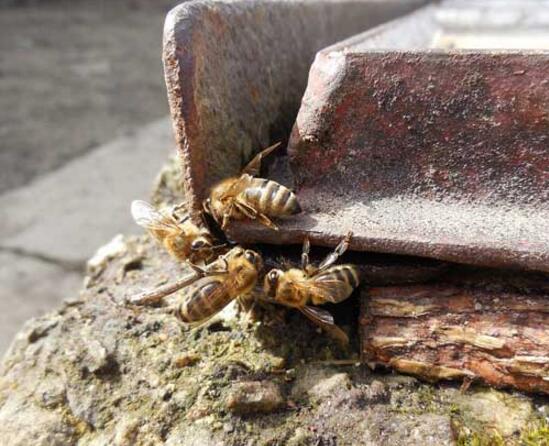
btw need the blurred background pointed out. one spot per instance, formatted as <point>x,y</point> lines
<point>84,129</point>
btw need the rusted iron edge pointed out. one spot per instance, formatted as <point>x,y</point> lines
<point>188,26</point>
<point>491,256</point>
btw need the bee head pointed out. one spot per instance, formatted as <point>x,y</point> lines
<point>248,255</point>
<point>270,283</point>
<point>201,243</point>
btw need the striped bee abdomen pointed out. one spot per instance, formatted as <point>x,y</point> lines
<point>339,280</point>
<point>203,299</point>
<point>271,198</point>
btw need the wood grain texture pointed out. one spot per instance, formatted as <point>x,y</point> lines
<point>447,332</point>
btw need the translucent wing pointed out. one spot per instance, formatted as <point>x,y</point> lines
<point>148,217</point>
<point>235,187</point>
<point>325,320</point>
<point>336,283</point>
<point>325,289</point>
<point>318,314</point>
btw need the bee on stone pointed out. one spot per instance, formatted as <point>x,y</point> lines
<point>183,239</point>
<point>301,288</point>
<point>232,276</point>
<point>249,197</point>
<point>209,289</point>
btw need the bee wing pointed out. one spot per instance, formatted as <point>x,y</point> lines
<point>318,315</point>
<point>325,320</point>
<point>254,166</point>
<point>235,187</point>
<point>326,290</point>
<point>329,288</point>
<point>148,217</point>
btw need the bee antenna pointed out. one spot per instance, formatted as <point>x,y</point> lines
<point>206,205</point>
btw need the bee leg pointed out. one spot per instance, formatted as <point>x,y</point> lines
<point>305,254</point>
<point>267,221</point>
<point>254,214</point>
<point>207,207</point>
<point>263,219</point>
<point>337,252</point>
<point>224,270</point>
<point>175,209</point>
<point>227,216</point>
<point>246,209</point>
<point>225,222</point>
<point>154,296</point>
<point>254,166</point>
<point>215,248</point>
<point>325,321</point>
<point>204,221</point>
<point>203,272</point>
<point>179,220</point>
<point>247,305</point>
<point>178,207</point>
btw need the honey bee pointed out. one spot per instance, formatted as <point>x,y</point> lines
<point>249,197</point>
<point>298,288</point>
<point>231,276</point>
<point>179,235</point>
<point>208,290</point>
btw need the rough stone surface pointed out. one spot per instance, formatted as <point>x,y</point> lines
<point>419,431</point>
<point>254,397</point>
<point>236,72</point>
<point>503,413</point>
<point>431,153</point>
<point>337,383</point>
<point>99,372</point>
